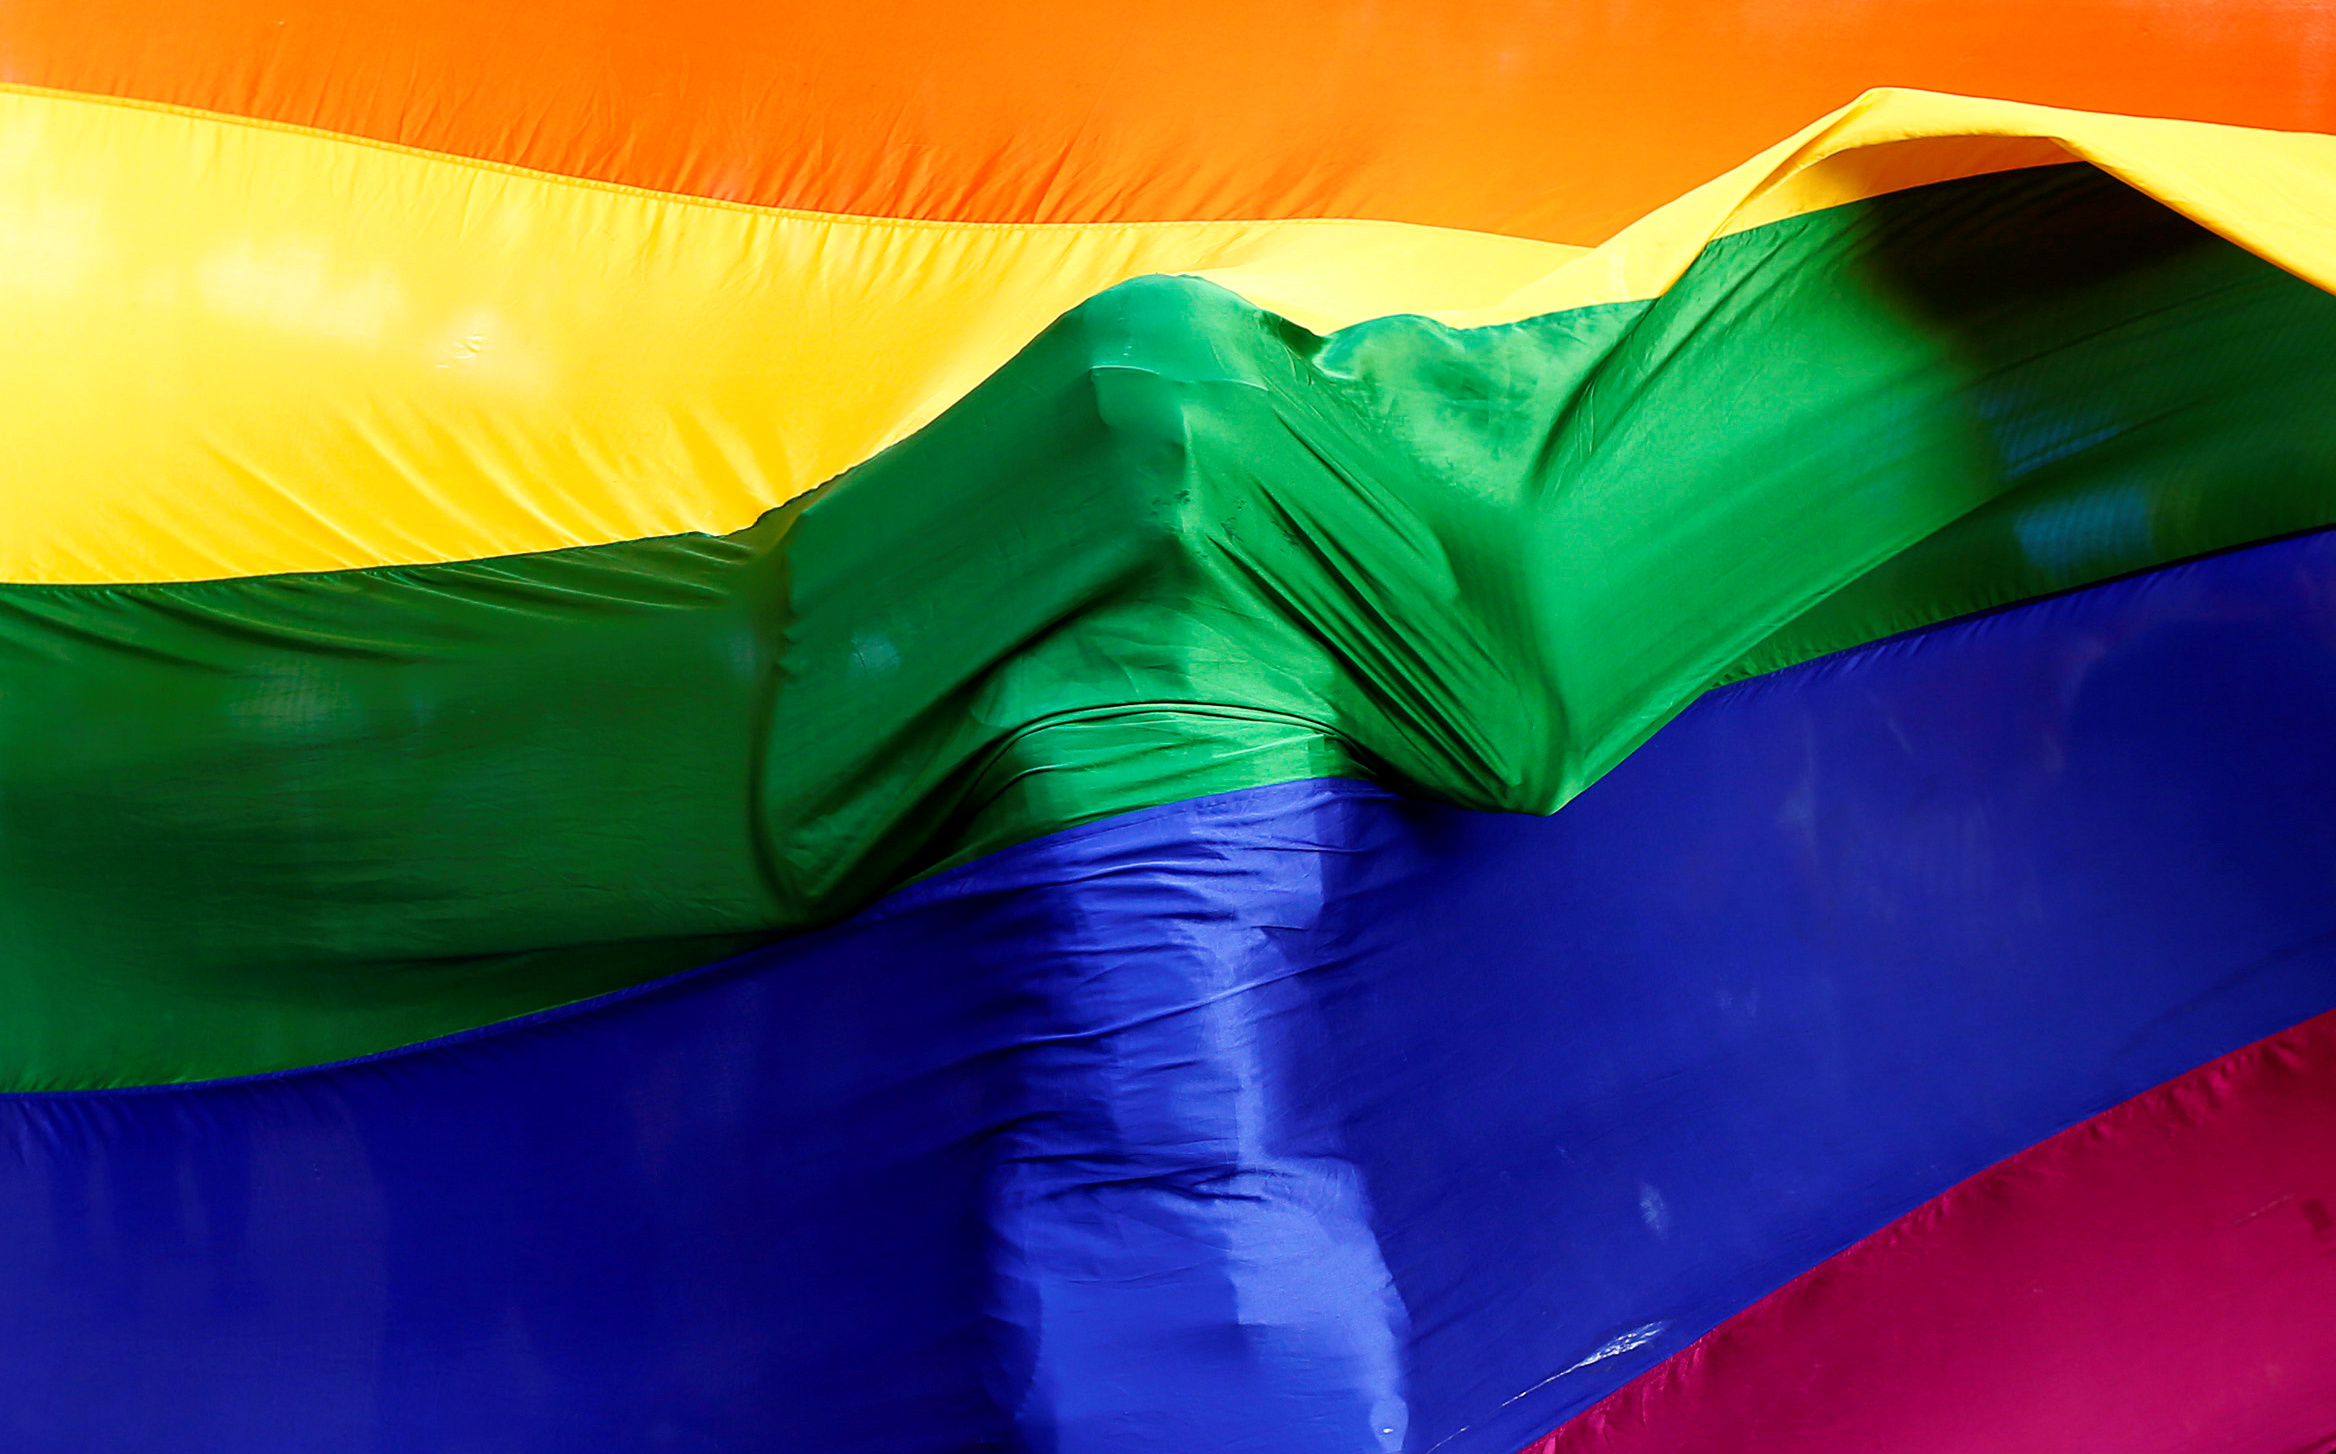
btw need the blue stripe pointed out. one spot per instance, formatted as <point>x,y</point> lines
<point>1298,1119</point>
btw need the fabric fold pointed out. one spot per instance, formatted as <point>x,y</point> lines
<point>1178,546</point>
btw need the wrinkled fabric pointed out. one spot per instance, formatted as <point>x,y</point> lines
<point>990,601</point>
<point>1178,546</point>
<point>255,351</point>
<point>1300,1117</point>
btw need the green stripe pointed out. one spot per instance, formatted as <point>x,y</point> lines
<point>1177,546</point>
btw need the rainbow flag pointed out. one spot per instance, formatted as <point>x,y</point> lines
<point>1094,729</point>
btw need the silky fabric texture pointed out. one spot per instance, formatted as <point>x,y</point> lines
<point>2160,1279</point>
<point>1190,548</point>
<point>1320,1118</point>
<point>257,351</point>
<point>1562,122</point>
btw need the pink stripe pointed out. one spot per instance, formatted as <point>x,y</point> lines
<point>2159,1278</point>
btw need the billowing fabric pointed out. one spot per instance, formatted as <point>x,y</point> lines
<point>255,351</point>
<point>723,725</point>
<point>1176,546</point>
<point>1302,1117</point>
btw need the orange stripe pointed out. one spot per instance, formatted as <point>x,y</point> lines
<point>1554,120</point>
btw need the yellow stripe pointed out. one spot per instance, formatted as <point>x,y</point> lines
<point>235,349</point>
